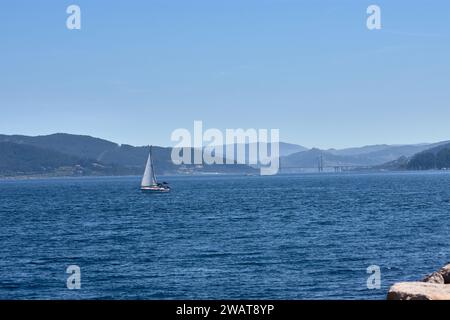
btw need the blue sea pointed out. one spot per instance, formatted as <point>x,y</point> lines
<point>309,236</point>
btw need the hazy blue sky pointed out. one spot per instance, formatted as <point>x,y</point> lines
<point>140,69</point>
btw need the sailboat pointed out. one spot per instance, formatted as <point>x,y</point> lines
<point>149,183</point>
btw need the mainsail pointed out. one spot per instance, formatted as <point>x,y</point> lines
<point>149,178</point>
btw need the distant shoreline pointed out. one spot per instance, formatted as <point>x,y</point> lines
<point>42,177</point>
<point>356,172</point>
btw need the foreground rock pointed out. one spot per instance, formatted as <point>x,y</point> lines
<point>435,286</point>
<point>445,272</point>
<point>419,291</point>
<point>435,277</point>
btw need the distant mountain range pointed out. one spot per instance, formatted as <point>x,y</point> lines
<point>367,156</point>
<point>73,155</point>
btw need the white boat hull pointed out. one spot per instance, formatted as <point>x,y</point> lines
<point>155,189</point>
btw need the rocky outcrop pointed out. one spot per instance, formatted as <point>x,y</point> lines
<point>445,272</point>
<point>435,286</point>
<point>434,277</point>
<point>419,291</point>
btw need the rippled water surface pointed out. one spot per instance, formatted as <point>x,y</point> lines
<point>282,237</point>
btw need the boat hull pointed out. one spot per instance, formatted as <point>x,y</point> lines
<point>155,189</point>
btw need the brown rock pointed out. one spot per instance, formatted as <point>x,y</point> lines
<point>445,272</point>
<point>419,291</point>
<point>435,277</point>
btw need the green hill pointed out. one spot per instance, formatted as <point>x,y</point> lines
<point>21,159</point>
<point>434,158</point>
<point>76,145</point>
<point>65,154</point>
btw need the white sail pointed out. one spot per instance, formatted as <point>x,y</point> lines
<point>149,178</point>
